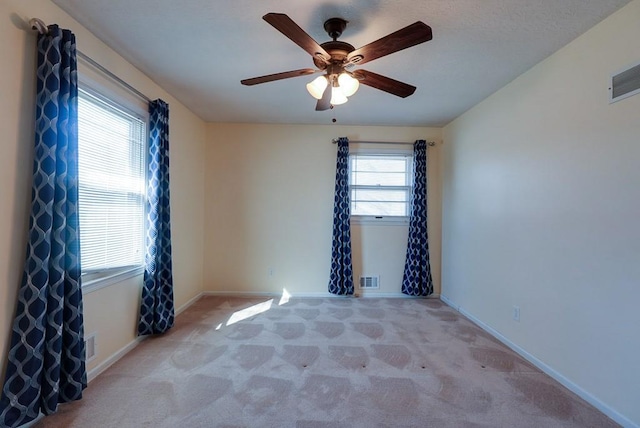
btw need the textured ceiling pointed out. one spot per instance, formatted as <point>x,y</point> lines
<point>199,50</point>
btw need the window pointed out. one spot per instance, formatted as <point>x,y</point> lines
<point>380,185</point>
<point>111,170</point>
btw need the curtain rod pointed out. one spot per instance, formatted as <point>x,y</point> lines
<point>41,27</point>
<point>429,143</point>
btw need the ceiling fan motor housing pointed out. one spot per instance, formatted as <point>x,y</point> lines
<point>338,51</point>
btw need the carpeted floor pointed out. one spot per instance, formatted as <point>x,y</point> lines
<point>325,362</point>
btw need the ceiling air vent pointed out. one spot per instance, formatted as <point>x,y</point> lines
<point>625,83</point>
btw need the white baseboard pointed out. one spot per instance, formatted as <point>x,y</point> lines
<point>449,303</point>
<point>373,294</point>
<point>112,359</point>
<point>243,294</point>
<point>359,294</point>
<point>190,302</point>
<point>585,395</point>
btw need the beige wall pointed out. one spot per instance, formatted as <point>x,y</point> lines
<point>269,203</point>
<point>110,312</point>
<point>541,203</point>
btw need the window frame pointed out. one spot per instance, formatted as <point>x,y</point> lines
<point>93,280</point>
<point>382,220</point>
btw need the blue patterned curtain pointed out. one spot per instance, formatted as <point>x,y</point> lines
<point>157,310</point>
<point>46,361</point>
<point>341,279</point>
<point>417,270</point>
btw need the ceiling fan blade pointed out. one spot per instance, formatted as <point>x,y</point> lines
<point>412,35</point>
<point>286,26</point>
<point>278,76</point>
<point>383,83</point>
<point>324,103</point>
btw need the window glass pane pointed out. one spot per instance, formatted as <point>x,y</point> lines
<point>388,209</point>
<point>379,170</point>
<point>379,164</point>
<point>111,185</point>
<point>380,179</point>
<point>379,195</point>
<point>380,184</point>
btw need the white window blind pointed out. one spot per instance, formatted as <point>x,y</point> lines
<point>380,184</point>
<point>111,169</point>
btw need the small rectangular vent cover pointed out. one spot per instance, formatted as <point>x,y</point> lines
<point>369,282</point>
<point>90,346</point>
<point>625,83</point>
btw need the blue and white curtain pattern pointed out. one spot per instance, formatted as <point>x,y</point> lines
<point>341,279</point>
<point>46,361</point>
<point>417,279</point>
<point>157,308</point>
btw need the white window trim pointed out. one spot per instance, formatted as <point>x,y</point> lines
<point>105,88</point>
<point>121,102</point>
<point>110,277</point>
<point>94,280</point>
<point>379,220</point>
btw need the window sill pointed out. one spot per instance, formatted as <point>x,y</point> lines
<point>379,221</point>
<point>110,278</point>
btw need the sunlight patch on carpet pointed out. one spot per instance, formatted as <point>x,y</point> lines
<point>285,297</point>
<point>249,312</point>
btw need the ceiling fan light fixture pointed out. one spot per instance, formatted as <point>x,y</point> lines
<point>337,96</point>
<point>348,84</point>
<point>317,86</point>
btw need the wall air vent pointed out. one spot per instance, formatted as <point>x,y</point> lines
<point>369,282</point>
<point>90,346</point>
<point>625,83</point>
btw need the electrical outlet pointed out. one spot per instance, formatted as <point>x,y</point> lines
<point>516,313</point>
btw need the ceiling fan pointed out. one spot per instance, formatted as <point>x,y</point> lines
<point>334,57</point>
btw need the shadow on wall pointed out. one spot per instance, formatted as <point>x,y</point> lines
<point>23,179</point>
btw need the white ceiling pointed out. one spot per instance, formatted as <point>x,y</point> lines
<point>199,50</point>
